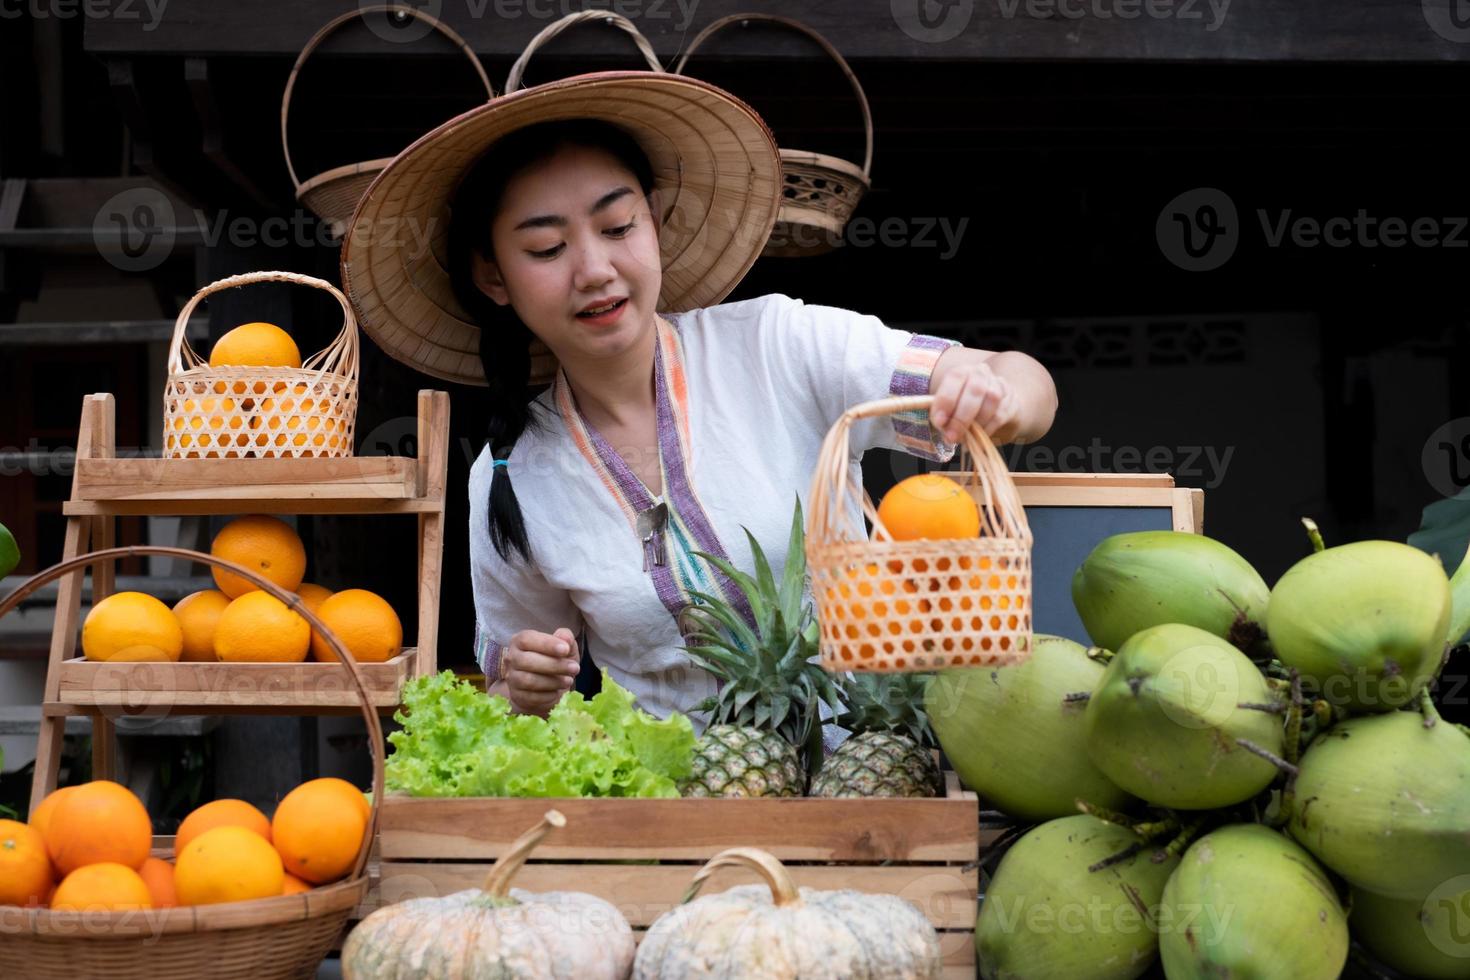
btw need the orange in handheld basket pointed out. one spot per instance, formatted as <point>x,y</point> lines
<point>364,622</point>
<point>132,627</point>
<point>25,867</point>
<point>929,506</point>
<point>105,886</point>
<point>264,544</point>
<point>256,345</point>
<point>96,822</point>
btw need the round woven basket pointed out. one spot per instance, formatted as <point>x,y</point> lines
<point>333,194</point>
<point>819,192</point>
<point>264,939</point>
<point>256,412</point>
<point>885,605</point>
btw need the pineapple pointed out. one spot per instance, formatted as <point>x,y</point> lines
<point>765,734</point>
<point>890,753</point>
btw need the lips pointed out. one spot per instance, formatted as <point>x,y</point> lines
<point>602,307</point>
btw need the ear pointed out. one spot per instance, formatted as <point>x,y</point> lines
<point>488,280</point>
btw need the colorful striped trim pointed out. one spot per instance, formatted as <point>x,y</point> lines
<point>689,528</point>
<point>911,377</point>
<point>487,654</point>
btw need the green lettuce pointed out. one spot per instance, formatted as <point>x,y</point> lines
<point>458,741</point>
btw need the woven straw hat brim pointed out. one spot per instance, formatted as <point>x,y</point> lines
<point>713,158</point>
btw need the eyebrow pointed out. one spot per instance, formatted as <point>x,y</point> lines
<point>557,221</point>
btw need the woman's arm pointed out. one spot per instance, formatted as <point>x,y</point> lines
<point>1009,393</point>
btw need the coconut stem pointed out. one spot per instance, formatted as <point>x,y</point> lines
<point>783,889</point>
<point>497,883</point>
<point>1176,847</point>
<point>1268,755</point>
<point>1427,709</point>
<point>1099,654</point>
<point>1314,534</point>
<point>1294,719</point>
<point>1126,854</point>
<point>1271,709</point>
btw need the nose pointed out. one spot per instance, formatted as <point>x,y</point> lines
<point>594,266</point>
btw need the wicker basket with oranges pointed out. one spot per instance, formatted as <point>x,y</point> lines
<point>946,579</point>
<point>255,397</point>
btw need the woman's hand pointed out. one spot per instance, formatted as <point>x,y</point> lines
<point>538,668</point>
<point>972,393</point>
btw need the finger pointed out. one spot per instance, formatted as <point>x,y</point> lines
<point>989,406</point>
<point>971,400</point>
<point>544,643</point>
<point>521,682</point>
<point>567,637</point>
<point>945,397</point>
<point>537,704</point>
<point>540,663</point>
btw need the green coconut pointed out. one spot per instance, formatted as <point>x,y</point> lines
<point>1384,801</point>
<point>1165,722</point>
<point>1013,737</point>
<point>1133,581</point>
<point>1427,938</point>
<point>1364,623</point>
<point>1046,916</point>
<point>1248,902</point>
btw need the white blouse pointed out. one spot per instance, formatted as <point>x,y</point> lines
<point>746,392</point>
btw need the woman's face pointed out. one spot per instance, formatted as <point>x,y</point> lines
<point>575,232</point>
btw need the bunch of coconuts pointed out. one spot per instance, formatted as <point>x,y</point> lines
<point>1233,780</point>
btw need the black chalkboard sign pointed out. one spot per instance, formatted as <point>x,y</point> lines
<point>1069,513</point>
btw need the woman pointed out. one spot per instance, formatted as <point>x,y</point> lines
<point>608,231</point>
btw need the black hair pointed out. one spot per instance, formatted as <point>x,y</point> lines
<point>505,341</point>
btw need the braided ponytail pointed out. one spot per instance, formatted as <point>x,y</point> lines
<point>505,341</point>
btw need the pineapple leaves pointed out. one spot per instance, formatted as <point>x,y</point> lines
<point>793,579</point>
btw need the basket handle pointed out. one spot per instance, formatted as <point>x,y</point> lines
<point>1001,513</point>
<point>832,52</point>
<point>293,601</point>
<point>338,357</point>
<point>517,70</point>
<point>336,22</point>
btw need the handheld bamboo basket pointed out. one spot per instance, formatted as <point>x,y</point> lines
<point>258,412</point>
<point>333,194</point>
<point>513,81</point>
<point>264,939</point>
<point>819,191</point>
<point>886,605</point>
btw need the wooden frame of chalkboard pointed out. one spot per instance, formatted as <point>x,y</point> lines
<point>1070,513</point>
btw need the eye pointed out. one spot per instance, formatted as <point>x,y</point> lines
<point>621,230</point>
<point>545,253</point>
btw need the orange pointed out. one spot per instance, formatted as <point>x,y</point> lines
<point>198,614</point>
<point>105,886</point>
<point>44,901</point>
<point>259,628</point>
<point>294,886</point>
<point>227,864</point>
<point>25,867</point>
<point>221,813</point>
<point>365,624</point>
<point>350,792</point>
<point>96,822</point>
<point>929,506</point>
<point>41,812</point>
<point>263,544</point>
<point>256,345</point>
<point>158,875</point>
<point>318,829</point>
<point>131,626</point>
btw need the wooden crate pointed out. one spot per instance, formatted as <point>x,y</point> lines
<point>925,850</point>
